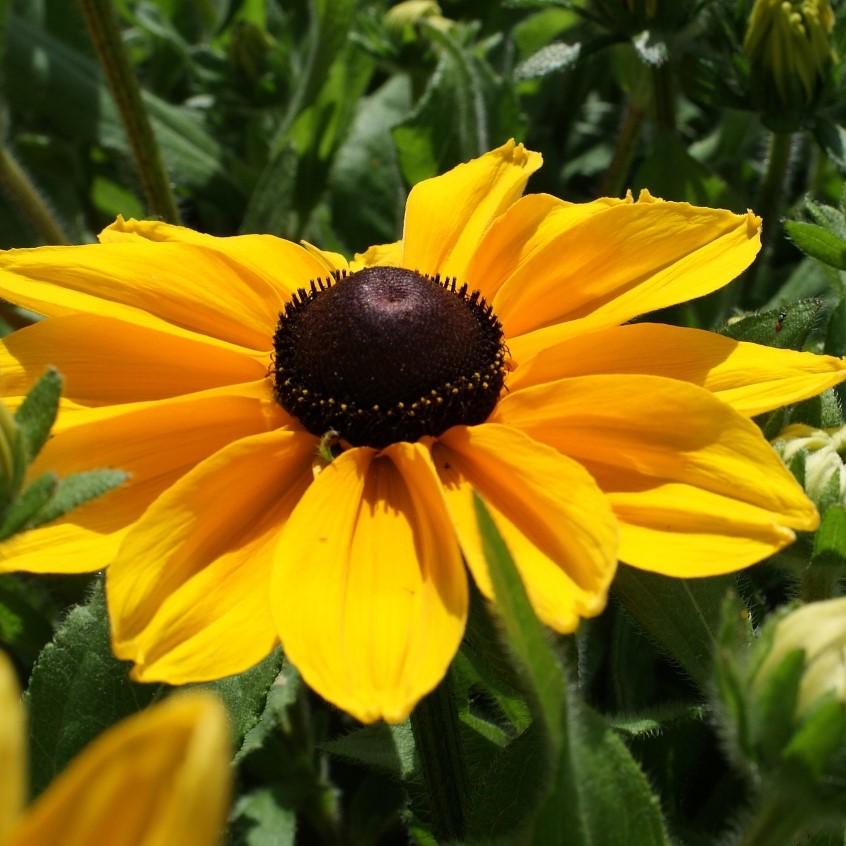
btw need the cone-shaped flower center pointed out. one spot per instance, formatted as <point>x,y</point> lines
<point>387,355</point>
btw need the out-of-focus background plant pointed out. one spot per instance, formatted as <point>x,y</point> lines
<point>673,721</point>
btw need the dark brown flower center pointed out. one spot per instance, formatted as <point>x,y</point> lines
<point>386,355</point>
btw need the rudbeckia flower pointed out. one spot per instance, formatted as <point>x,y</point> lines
<point>160,777</point>
<point>489,349</point>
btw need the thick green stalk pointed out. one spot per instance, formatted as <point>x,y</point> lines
<point>779,820</point>
<point>102,23</point>
<point>23,193</point>
<point>437,740</point>
<point>664,98</point>
<point>618,170</point>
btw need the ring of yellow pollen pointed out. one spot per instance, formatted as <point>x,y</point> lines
<point>386,354</point>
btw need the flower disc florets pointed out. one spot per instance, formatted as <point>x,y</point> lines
<point>387,354</point>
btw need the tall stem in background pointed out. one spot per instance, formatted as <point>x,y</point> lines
<point>105,35</point>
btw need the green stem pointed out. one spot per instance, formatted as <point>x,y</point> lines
<point>779,820</point>
<point>664,99</point>
<point>437,740</point>
<point>23,193</point>
<point>102,23</point>
<point>769,206</point>
<point>624,149</point>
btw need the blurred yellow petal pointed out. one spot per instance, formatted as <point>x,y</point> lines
<point>620,261</point>
<point>446,216</point>
<point>328,260</point>
<point>749,377</point>
<point>156,442</point>
<point>188,591</point>
<point>282,265</point>
<point>553,517</point>
<point>159,778</point>
<point>369,591</point>
<point>13,782</point>
<point>656,446</point>
<point>145,282</point>
<point>152,364</point>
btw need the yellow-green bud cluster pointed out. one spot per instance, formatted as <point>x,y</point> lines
<point>822,449</point>
<point>789,41</point>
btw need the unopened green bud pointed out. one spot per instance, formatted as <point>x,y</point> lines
<point>818,630</point>
<point>9,469</point>
<point>788,43</point>
<point>821,452</point>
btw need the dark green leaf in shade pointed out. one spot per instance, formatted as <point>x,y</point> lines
<point>832,138</point>
<point>77,690</point>
<point>26,611</point>
<point>75,490</point>
<point>549,59</point>
<point>37,413</point>
<point>817,242</point>
<point>787,327</point>
<point>828,217</point>
<point>830,539</point>
<point>389,748</point>
<point>245,694</point>
<point>680,616</point>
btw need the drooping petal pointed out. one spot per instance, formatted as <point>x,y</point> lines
<point>369,592</point>
<point>160,777</point>
<point>445,216</point>
<point>189,590</point>
<point>750,377</point>
<point>695,487</point>
<point>282,265</point>
<point>156,443</point>
<point>12,748</point>
<point>146,282</point>
<point>554,519</point>
<point>599,265</point>
<point>105,361</point>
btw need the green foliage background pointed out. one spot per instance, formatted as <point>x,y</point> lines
<point>310,119</point>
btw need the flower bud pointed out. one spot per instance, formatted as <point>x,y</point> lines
<point>10,470</point>
<point>788,43</point>
<point>411,12</point>
<point>819,452</point>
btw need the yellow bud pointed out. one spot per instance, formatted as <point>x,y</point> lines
<point>824,470</point>
<point>819,630</point>
<point>789,43</point>
<point>410,12</point>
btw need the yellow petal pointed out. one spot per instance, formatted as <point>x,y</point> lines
<point>672,459</point>
<point>381,254</point>
<point>553,518</point>
<point>330,261</point>
<point>619,261</point>
<point>749,377</point>
<point>159,778</point>
<point>12,748</point>
<point>522,234</point>
<point>145,282</point>
<point>369,592</point>
<point>156,442</point>
<point>282,265</point>
<point>106,361</point>
<point>188,591</point>
<point>446,216</point>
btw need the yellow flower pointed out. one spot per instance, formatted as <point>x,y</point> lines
<point>609,439</point>
<point>156,779</point>
<point>791,41</point>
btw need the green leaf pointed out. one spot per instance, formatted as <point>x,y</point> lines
<point>245,694</point>
<point>37,413</point>
<point>547,60</point>
<point>830,539</point>
<point>76,490</point>
<point>24,509</point>
<point>389,748</point>
<point>598,793</point>
<point>681,616</point>
<point>261,818</point>
<point>787,327</point>
<point>817,242</point>
<point>77,690</point>
<point>832,138</point>
<point>25,615</point>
